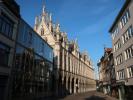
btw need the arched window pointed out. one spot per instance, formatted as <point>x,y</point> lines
<point>42,31</point>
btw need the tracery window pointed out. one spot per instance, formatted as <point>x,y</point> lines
<point>42,31</point>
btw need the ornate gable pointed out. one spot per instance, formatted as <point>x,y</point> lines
<point>42,27</point>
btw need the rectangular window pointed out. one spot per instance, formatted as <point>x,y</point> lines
<point>130,71</point>
<point>6,25</point>
<point>125,18</point>
<point>119,59</point>
<point>117,45</point>
<point>4,54</point>
<point>115,32</point>
<point>121,74</point>
<point>128,53</point>
<point>127,35</point>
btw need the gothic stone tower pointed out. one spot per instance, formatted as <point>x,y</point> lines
<point>73,71</point>
<point>50,33</point>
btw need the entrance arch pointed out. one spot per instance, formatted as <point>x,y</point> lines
<point>64,86</point>
<point>69,90</point>
<point>77,85</point>
<point>72,85</point>
<point>60,85</point>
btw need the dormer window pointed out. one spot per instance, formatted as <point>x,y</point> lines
<point>42,31</point>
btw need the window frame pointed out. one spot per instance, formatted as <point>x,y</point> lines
<point>5,50</point>
<point>6,21</point>
<point>125,18</point>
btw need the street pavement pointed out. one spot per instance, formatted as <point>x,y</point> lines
<point>92,95</point>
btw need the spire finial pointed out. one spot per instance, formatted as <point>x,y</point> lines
<point>50,16</point>
<point>43,9</point>
<point>58,27</point>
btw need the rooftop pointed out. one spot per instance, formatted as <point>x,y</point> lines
<point>13,6</point>
<point>108,49</point>
<point>120,14</point>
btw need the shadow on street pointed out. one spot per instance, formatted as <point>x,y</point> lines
<point>92,95</point>
<point>95,98</point>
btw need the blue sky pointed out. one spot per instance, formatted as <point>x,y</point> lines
<point>86,20</point>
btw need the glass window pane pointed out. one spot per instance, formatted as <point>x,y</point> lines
<point>4,54</point>
<point>5,25</point>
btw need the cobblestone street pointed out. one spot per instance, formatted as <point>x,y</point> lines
<point>89,96</point>
<point>93,95</point>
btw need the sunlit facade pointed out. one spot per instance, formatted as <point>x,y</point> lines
<point>73,70</point>
<point>122,40</point>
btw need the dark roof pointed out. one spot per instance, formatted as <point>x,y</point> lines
<point>108,49</point>
<point>120,14</point>
<point>13,6</point>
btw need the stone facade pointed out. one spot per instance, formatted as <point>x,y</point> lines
<point>107,77</point>
<point>73,70</point>
<point>122,39</point>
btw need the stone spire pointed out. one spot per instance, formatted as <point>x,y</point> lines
<point>50,23</point>
<point>50,17</point>
<point>43,8</point>
<point>58,28</point>
<point>36,20</point>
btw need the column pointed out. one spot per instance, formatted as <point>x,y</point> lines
<point>63,58</point>
<point>67,85</point>
<point>120,94</point>
<point>67,65</point>
<point>74,85</point>
<point>121,91</point>
<point>58,60</point>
